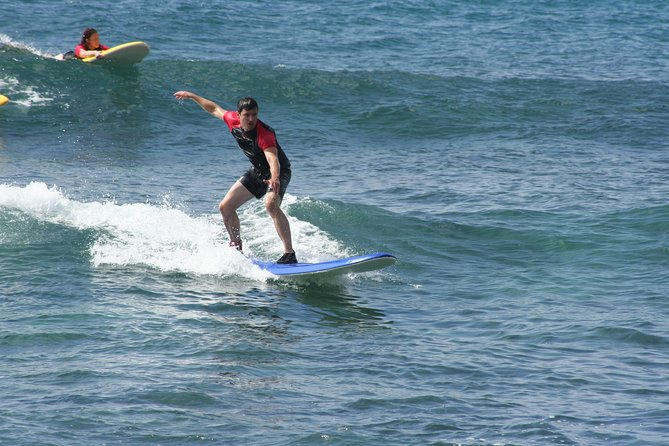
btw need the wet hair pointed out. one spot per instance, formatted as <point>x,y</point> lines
<point>88,32</point>
<point>247,103</point>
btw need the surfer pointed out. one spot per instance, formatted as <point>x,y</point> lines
<point>89,46</point>
<point>268,176</point>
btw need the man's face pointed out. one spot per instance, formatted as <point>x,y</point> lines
<point>248,119</point>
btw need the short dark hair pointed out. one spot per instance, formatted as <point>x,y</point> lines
<point>247,103</point>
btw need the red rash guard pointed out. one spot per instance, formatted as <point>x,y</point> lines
<point>79,48</point>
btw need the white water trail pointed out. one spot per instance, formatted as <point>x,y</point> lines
<point>164,237</point>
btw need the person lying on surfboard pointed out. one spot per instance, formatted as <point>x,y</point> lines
<point>268,177</point>
<point>88,47</point>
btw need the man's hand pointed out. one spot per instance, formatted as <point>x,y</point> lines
<point>274,184</point>
<point>183,94</point>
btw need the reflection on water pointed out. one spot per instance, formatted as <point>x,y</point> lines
<point>245,303</point>
<point>338,303</point>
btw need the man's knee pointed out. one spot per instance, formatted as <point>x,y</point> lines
<point>226,209</point>
<point>272,207</point>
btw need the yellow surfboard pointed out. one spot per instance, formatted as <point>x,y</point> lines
<point>128,53</point>
<point>3,100</point>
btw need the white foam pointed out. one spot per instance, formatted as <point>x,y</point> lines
<point>21,94</point>
<point>5,40</point>
<point>311,243</point>
<point>166,238</point>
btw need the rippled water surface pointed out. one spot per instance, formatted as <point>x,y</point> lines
<point>512,155</point>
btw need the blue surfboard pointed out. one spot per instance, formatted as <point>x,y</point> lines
<point>356,264</point>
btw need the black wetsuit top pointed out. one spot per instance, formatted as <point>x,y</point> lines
<point>255,142</point>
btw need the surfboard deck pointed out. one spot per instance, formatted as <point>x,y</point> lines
<point>3,100</point>
<point>355,264</point>
<point>127,53</point>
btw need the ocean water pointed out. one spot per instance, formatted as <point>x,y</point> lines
<point>512,154</point>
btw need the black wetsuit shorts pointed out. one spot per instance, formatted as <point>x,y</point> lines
<point>253,181</point>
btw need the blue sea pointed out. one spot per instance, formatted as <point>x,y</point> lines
<point>513,155</point>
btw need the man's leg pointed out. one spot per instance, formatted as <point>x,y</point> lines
<point>272,204</point>
<point>234,198</point>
